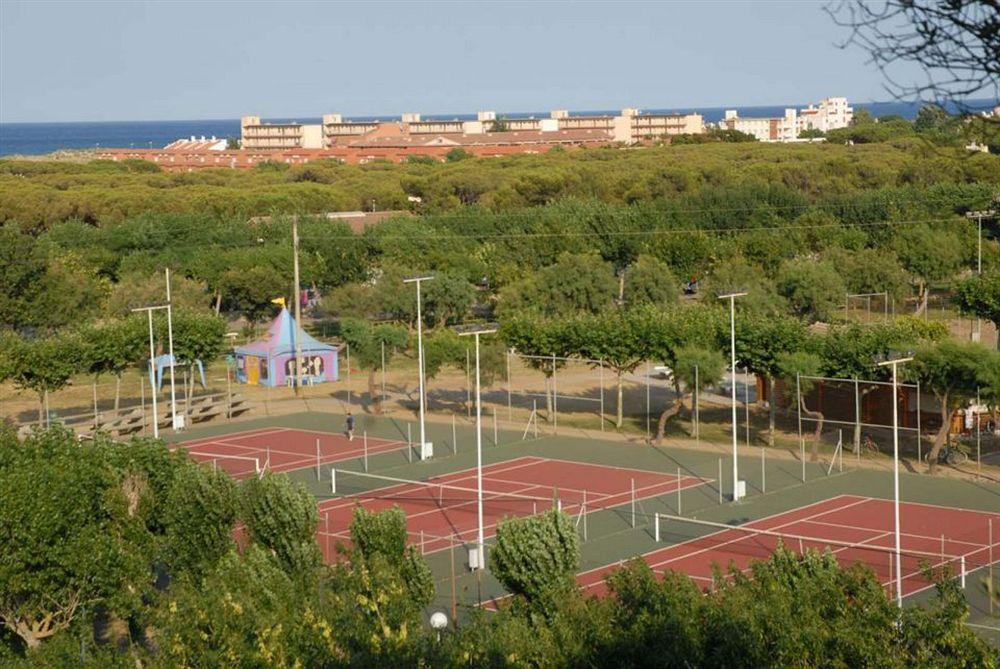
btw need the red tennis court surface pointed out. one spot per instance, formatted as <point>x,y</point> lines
<point>442,511</point>
<point>281,449</point>
<point>855,529</point>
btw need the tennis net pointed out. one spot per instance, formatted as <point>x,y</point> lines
<point>724,544</point>
<point>237,466</point>
<point>416,496</point>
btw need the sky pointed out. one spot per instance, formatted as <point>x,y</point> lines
<point>108,61</point>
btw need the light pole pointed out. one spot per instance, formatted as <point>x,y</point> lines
<point>476,331</point>
<point>298,306</point>
<point>979,216</point>
<point>175,421</point>
<point>152,355</point>
<point>732,351</point>
<point>894,363</point>
<point>425,448</point>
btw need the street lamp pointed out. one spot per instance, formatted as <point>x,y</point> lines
<point>732,351</point>
<point>438,622</point>
<point>894,362</point>
<point>425,449</point>
<point>152,355</point>
<point>176,421</point>
<point>979,216</point>
<point>476,331</point>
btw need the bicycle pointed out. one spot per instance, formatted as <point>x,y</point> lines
<point>950,455</point>
<point>869,448</point>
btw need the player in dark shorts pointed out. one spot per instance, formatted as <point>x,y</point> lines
<point>350,426</point>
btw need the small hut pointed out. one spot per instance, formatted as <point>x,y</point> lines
<point>271,361</point>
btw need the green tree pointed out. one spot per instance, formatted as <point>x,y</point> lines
<point>796,368</point>
<point>980,296</point>
<point>446,299</point>
<point>813,289</point>
<point>690,362</point>
<point>649,281</point>
<point>760,341</point>
<point>69,534</point>
<point>250,290</point>
<point>929,255</point>
<point>378,539</point>
<point>46,364</point>
<point>368,342</point>
<point>113,346</point>
<point>575,283</point>
<point>280,516</point>
<point>953,371</point>
<point>536,558</point>
<point>199,514</point>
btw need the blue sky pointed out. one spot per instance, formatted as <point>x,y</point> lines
<point>100,61</point>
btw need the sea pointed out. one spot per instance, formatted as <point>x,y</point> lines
<point>42,138</point>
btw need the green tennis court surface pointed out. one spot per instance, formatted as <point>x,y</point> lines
<point>774,483</point>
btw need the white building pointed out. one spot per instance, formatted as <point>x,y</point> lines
<point>828,114</point>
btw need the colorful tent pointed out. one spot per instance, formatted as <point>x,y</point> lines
<point>271,361</point>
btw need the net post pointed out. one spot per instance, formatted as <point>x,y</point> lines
<point>962,569</point>
<point>534,415</point>
<point>763,470</point>
<point>678,493</point>
<point>656,527</point>
<point>454,439</point>
<point>633,503</point>
<point>718,483</point>
<point>333,480</point>
<point>364,439</point>
<point>422,547</point>
<point>583,510</point>
<point>319,475</point>
<point>600,369</point>
<point>256,465</point>
<point>267,463</point>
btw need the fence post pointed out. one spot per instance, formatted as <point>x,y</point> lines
<point>763,470</point>
<point>555,398</point>
<point>798,407</point>
<point>496,432</point>
<point>510,415</point>
<point>409,444</point>
<point>719,482</point>
<point>468,384</point>
<point>365,435</point>
<point>382,396</point>
<point>920,438</point>
<point>678,493</point>
<point>697,416</point>
<point>648,372</point>
<point>746,400</point>
<point>454,438</point>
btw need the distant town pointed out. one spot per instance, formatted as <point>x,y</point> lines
<point>490,134</point>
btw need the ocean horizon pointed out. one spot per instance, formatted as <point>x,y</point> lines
<point>32,139</point>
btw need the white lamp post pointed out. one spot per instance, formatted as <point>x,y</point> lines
<point>476,331</point>
<point>894,363</point>
<point>425,448</point>
<point>439,620</point>
<point>176,421</point>
<point>732,351</point>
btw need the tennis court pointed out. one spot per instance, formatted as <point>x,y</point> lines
<point>853,528</point>
<point>442,511</point>
<point>282,449</point>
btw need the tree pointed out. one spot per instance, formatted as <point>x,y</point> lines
<point>446,299</point>
<point>250,290</point>
<point>199,514</point>
<point>113,346</point>
<point>691,363</point>
<point>980,296</point>
<point>457,154</point>
<point>380,537</point>
<point>137,289</point>
<point>368,342</point>
<point>871,270</point>
<point>536,558</point>
<point>281,517</point>
<point>954,46</point>
<point>543,345</point>
<point>760,342</point>
<point>46,364</point>
<point>575,283</point>
<point>813,289</point>
<point>616,339</point>
<point>953,371</point>
<point>799,366</point>
<point>649,281</point>
<point>68,534</point>
<point>929,255</point>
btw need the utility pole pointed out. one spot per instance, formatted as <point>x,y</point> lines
<point>298,306</point>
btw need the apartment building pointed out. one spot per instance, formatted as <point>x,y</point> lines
<point>828,114</point>
<point>629,127</point>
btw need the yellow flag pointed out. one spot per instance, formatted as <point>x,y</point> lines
<point>279,300</point>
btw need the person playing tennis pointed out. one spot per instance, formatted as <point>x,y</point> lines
<point>350,426</point>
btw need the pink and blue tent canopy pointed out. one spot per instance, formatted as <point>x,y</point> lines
<point>270,361</point>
